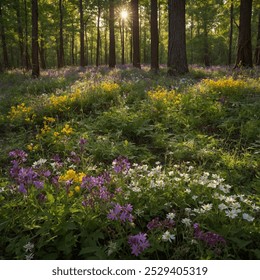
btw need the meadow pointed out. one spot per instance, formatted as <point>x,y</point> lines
<point>129,164</point>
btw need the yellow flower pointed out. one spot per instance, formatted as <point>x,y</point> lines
<point>49,119</point>
<point>56,134</point>
<point>77,189</point>
<point>67,129</point>
<point>109,86</point>
<point>71,193</point>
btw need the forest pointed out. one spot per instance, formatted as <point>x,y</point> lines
<point>129,130</point>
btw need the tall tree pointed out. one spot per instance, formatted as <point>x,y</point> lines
<point>231,33</point>
<point>35,48</point>
<point>177,58</point>
<point>244,52</point>
<point>82,55</point>
<point>3,38</point>
<point>61,41</point>
<point>112,44</point>
<point>27,56</point>
<point>136,36</point>
<point>98,35</point>
<point>20,32</point>
<point>154,36</point>
<point>257,50</point>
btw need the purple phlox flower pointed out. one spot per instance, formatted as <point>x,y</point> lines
<point>27,175</point>
<point>121,213</point>
<point>138,243</point>
<point>104,194</point>
<point>55,180</point>
<point>22,189</point>
<point>46,173</point>
<point>82,143</point>
<point>210,238</point>
<point>121,164</point>
<point>38,184</point>
<point>90,182</point>
<point>19,155</point>
<point>14,171</point>
<point>74,158</point>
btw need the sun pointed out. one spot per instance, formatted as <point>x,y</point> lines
<point>124,14</point>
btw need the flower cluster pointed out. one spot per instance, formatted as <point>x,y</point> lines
<point>109,86</point>
<point>21,112</point>
<point>165,96</point>
<point>211,239</point>
<point>121,164</point>
<point>121,213</point>
<point>157,224</point>
<point>138,243</point>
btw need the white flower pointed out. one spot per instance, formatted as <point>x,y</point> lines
<point>28,247</point>
<point>170,216</point>
<point>187,190</point>
<point>29,257</point>
<point>231,213</point>
<point>248,217</point>
<point>167,236</point>
<point>207,207</point>
<point>186,222</point>
<point>254,207</point>
<point>112,247</point>
<point>230,199</point>
<point>171,173</point>
<point>136,189</point>
<point>194,197</point>
<point>222,206</point>
<point>39,162</point>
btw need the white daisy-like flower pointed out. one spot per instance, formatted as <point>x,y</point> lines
<point>28,247</point>
<point>232,214</point>
<point>29,257</point>
<point>171,216</point>
<point>187,190</point>
<point>186,222</point>
<point>194,197</point>
<point>207,207</point>
<point>248,217</point>
<point>167,236</point>
<point>222,206</point>
<point>39,162</point>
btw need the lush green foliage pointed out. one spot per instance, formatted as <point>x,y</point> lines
<point>127,164</point>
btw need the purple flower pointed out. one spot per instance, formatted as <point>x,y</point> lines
<point>121,164</point>
<point>138,243</point>
<point>156,223</point>
<point>121,213</point>
<point>211,239</point>
<point>38,184</point>
<point>82,143</point>
<point>19,155</point>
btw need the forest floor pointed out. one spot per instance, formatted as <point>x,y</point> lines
<point>126,164</point>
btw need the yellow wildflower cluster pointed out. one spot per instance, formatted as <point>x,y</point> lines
<point>163,95</point>
<point>21,112</point>
<point>72,175</point>
<point>224,84</point>
<point>32,148</point>
<point>67,130</point>
<point>62,102</point>
<point>109,86</point>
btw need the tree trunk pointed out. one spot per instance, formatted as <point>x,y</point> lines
<point>257,50</point>
<point>61,44</point>
<point>136,36</point>
<point>231,33</point>
<point>177,58</point>
<point>244,53</point>
<point>20,33</point>
<point>82,55</point>
<point>206,45</point>
<point>27,56</point>
<point>86,47</point>
<point>35,57</point>
<point>3,38</point>
<point>72,46</point>
<point>154,36</point>
<point>112,44</point>
<point>98,36</point>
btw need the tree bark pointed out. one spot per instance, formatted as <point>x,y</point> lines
<point>136,36</point>
<point>177,58</point>
<point>98,36</point>
<point>231,33</point>
<point>27,56</point>
<point>42,52</point>
<point>206,45</point>
<point>112,44</point>
<point>3,38</point>
<point>35,50</point>
<point>244,53</point>
<point>61,43</point>
<point>82,50</point>
<point>257,50</point>
<point>20,33</point>
<point>154,36</point>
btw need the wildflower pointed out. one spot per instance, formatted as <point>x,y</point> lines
<point>122,213</point>
<point>222,206</point>
<point>29,257</point>
<point>112,247</point>
<point>70,194</point>
<point>121,164</point>
<point>19,155</point>
<point>77,189</point>
<point>138,243</point>
<point>248,217</point>
<point>171,216</point>
<point>67,130</point>
<point>207,207</point>
<point>194,197</point>
<point>231,213</point>
<point>167,236</point>
<point>186,222</point>
<point>28,247</point>
<point>39,162</point>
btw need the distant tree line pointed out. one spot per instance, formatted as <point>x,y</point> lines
<point>40,34</point>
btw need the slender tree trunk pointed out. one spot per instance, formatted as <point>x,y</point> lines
<point>206,45</point>
<point>122,31</point>
<point>106,46</point>
<point>112,41</point>
<point>177,58</point>
<point>86,48</point>
<point>61,44</point>
<point>72,45</point>
<point>244,53</point>
<point>35,57</point>
<point>98,36</point>
<point>231,33</point>
<point>191,38</point>
<point>136,36</point>
<point>27,56</point>
<point>257,50</point>
<point>20,33</point>
<point>3,38</point>
<point>154,36</point>
<point>82,55</point>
